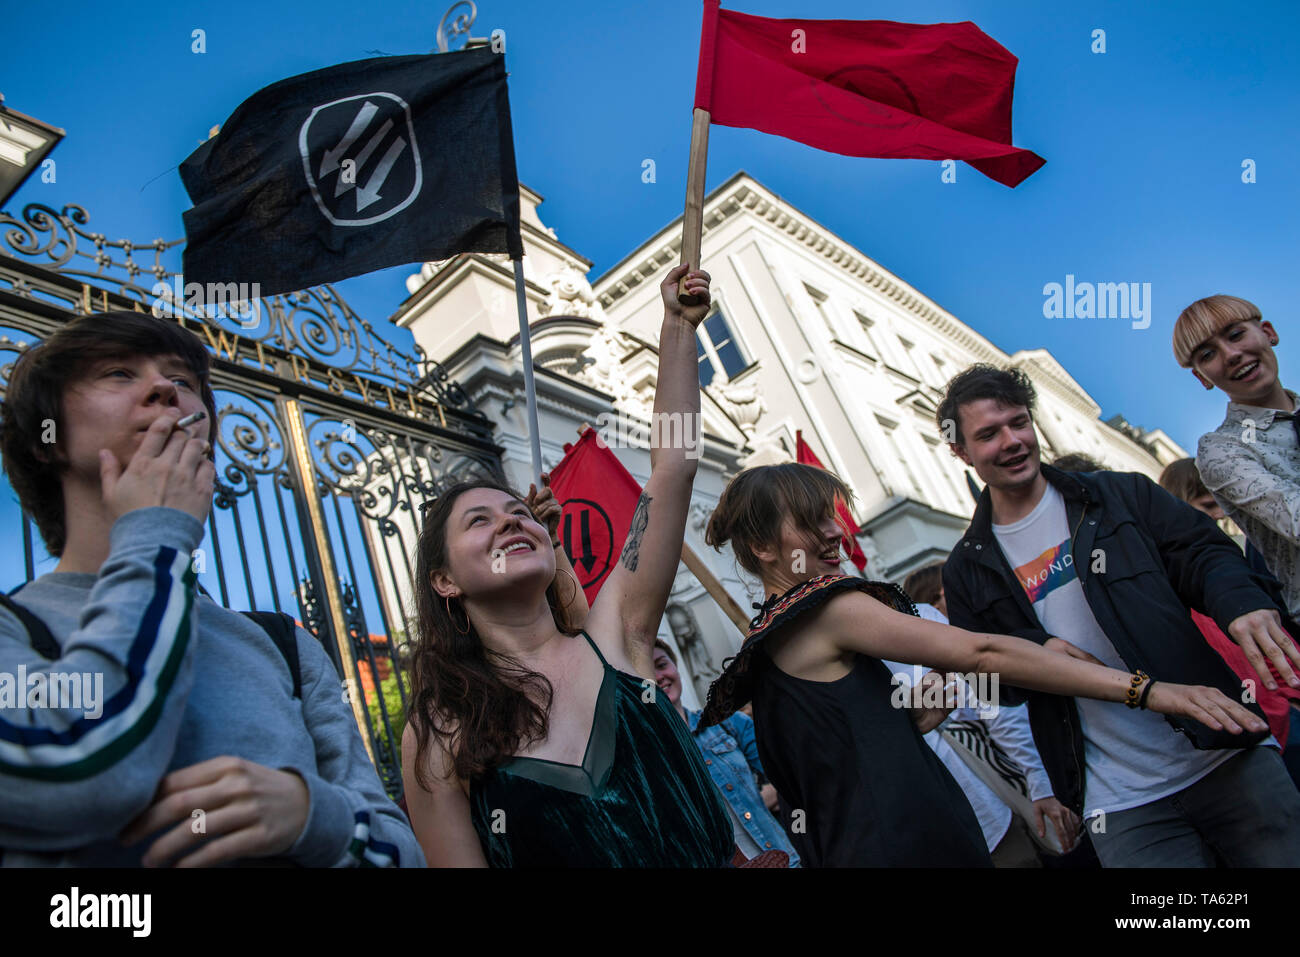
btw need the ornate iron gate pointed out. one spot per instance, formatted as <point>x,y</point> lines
<point>329,440</point>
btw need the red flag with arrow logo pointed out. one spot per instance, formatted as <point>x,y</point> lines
<point>598,497</point>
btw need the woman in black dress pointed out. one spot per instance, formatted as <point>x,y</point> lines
<point>858,784</point>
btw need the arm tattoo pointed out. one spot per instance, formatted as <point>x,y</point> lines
<point>640,519</point>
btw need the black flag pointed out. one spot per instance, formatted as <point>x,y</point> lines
<point>353,168</point>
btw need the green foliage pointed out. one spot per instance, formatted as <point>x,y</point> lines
<point>393,704</point>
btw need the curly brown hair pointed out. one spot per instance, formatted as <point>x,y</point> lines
<point>981,381</point>
<point>482,706</point>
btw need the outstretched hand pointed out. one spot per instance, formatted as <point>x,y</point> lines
<point>1262,640</point>
<point>1210,706</point>
<point>697,284</point>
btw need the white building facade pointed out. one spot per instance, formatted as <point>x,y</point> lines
<point>807,334</point>
<point>835,345</point>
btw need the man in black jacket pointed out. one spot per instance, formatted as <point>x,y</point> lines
<point>1104,566</point>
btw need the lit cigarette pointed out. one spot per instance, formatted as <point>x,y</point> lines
<point>191,419</point>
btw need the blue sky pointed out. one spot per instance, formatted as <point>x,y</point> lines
<point>1144,145</point>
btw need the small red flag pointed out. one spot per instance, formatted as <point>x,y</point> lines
<point>598,498</point>
<point>805,456</point>
<point>865,87</point>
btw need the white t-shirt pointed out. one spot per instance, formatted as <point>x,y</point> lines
<point>1133,756</point>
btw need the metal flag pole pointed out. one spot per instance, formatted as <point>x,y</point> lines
<point>530,389</point>
<point>456,26</point>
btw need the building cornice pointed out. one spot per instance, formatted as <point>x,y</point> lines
<point>742,194</point>
<point>1046,369</point>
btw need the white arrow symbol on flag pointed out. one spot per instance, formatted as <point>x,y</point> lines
<point>343,185</point>
<point>330,162</point>
<point>370,192</point>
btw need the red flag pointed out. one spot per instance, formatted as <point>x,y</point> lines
<point>805,456</point>
<point>865,87</point>
<point>598,497</point>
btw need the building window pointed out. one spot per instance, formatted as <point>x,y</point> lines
<point>909,358</point>
<point>941,368</point>
<point>943,465</point>
<point>872,349</point>
<point>717,350</point>
<point>896,445</point>
<point>819,300</point>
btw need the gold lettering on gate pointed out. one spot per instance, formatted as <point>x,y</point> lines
<point>300,369</point>
<point>229,345</point>
<point>222,344</point>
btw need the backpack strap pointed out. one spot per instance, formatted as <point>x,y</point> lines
<point>282,630</point>
<point>37,633</point>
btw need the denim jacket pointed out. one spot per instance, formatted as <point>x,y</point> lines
<point>731,755</point>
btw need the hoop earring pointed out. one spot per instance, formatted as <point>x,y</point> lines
<point>461,631</point>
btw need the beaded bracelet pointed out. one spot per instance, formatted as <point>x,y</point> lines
<point>1142,701</point>
<point>1131,699</point>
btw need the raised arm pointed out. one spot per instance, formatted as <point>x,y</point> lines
<point>856,622</point>
<point>631,603</point>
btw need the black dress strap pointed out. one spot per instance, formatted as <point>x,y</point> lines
<point>594,647</point>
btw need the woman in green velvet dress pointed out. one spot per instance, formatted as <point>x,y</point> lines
<point>531,743</point>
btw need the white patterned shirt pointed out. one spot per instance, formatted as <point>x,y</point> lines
<point>1251,464</point>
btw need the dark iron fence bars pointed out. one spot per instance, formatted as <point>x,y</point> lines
<point>314,407</point>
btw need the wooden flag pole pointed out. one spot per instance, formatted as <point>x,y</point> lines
<point>530,388</point>
<point>693,217</point>
<point>715,589</point>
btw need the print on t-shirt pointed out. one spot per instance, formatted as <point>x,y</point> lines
<point>1049,571</point>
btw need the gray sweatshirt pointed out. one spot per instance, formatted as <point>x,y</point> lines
<point>181,680</point>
